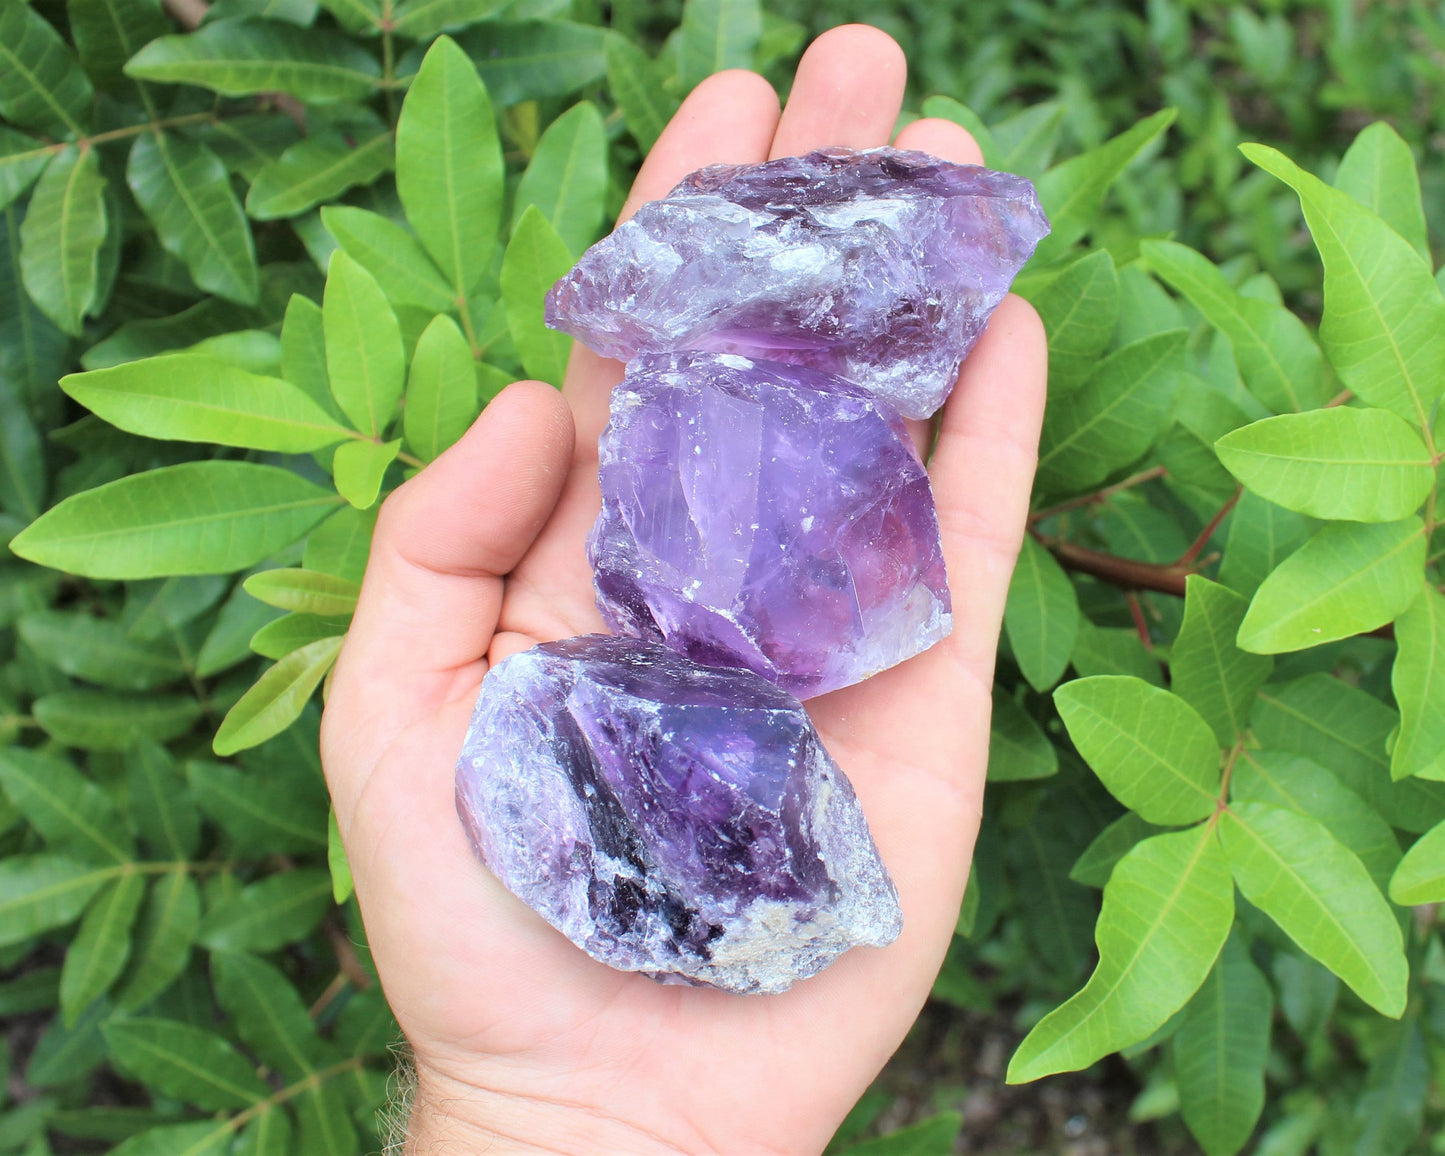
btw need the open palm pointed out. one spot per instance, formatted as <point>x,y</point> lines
<point>522,1042</point>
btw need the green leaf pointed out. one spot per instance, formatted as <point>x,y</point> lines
<point>1297,784</point>
<point>100,720</point>
<point>1344,730</point>
<point>276,911</point>
<point>1418,680</point>
<point>323,1122</point>
<point>1017,748</point>
<point>107,33</point>
<point>244,57</point>
<point>98,954</point>
<point>364,354</point>
<point>62,235</point>
<point>277,699</point>
<point>1114,416</point>
<point>41,84</point>
<point>1072,193</point>
<point>390,254</point>
<point>423,19</point>
<point>441,390</point>
<point>1041,616</point>
<point>1113,650</point>
<point>716,35</point>
<point>22,458</point>
<point>1378,170</point>
<point>186,192</point>
<point>194,1066</point>
<point>1348,579</point>
<point>1167,909</point>
<point>1420,875</point>
<point>99,650</point>
<point>1208,671</point>
<point>1027,138</point>
<point>1220,1051</point>
<point>280,818</point>
<point>213,1138</point>
<point>567,177</point>
<point>290,632</point>
<point>22,159</point>
<point>1384,319</point>
<point>636,84</point>
<point>1320,894</point>
<point>1149,747</point>
<point>168,927</point>
<point>190,397</point>
<point>925,1138</point>
<point>947,108</point>
<point>1278,358</point>
<point>268,1014</point>
<point>1388,1116</point>
<point>1080,309</point>
<point>1096,864</point>
<point>449,171</point>
<point>366,1026</point>
<point>533,59</point>
<point>268,1134</point>
<point>160,607</point>
<point>303,352</point>
<point>341,884</point>
<point>317,169</point>
<point>70,811</point>
<point>304,591</point>
<point>160,805</point>
<point>247,144</point>
<point>536,257</point>
<point>341,544</point>
<point>194,518</point>
<point>1356,465</point>
<point>1261,536</point>
<point>38,892</point>
<point>358,468</point>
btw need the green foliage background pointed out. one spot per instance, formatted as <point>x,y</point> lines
<point>238,304</point>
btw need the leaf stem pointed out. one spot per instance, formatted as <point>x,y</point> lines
<point>468,329</point>
<point>1099,495</point>
<point>1197,546</point>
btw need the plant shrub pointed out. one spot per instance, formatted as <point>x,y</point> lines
<point>237,307</point>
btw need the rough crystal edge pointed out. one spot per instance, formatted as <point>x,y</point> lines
<point>875,915</point>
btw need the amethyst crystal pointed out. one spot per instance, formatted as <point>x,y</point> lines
<point>675,819</point>
<point>880,266</point>
<point>766,516</point>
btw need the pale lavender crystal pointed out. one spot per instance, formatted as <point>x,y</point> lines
<point>767,516</point>
<point>674,819</point>
<point>880,266</point>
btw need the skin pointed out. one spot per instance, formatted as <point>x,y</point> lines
<point>521,1042</point>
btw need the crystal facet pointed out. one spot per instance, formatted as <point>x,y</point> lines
<point>880,266</point>
<point>670,818</point>
<point>767,516</point>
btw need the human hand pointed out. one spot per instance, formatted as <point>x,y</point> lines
<point>521,1041</point>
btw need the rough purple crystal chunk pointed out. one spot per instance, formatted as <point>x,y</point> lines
<point>670,818</point>
<point>766,516</point>
<point>880,266</point>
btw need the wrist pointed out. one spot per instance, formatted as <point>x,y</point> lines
<point>451,1117</point>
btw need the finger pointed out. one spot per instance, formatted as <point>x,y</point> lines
<point>983,469</point>
<point>433,584</point>
<point>727,119</point>
<point>942,139</point>
<point>848,90</point>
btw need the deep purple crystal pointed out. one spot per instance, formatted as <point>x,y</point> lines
<point>670,818</point>
<point>880,266</point>
<point>767,516</point>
